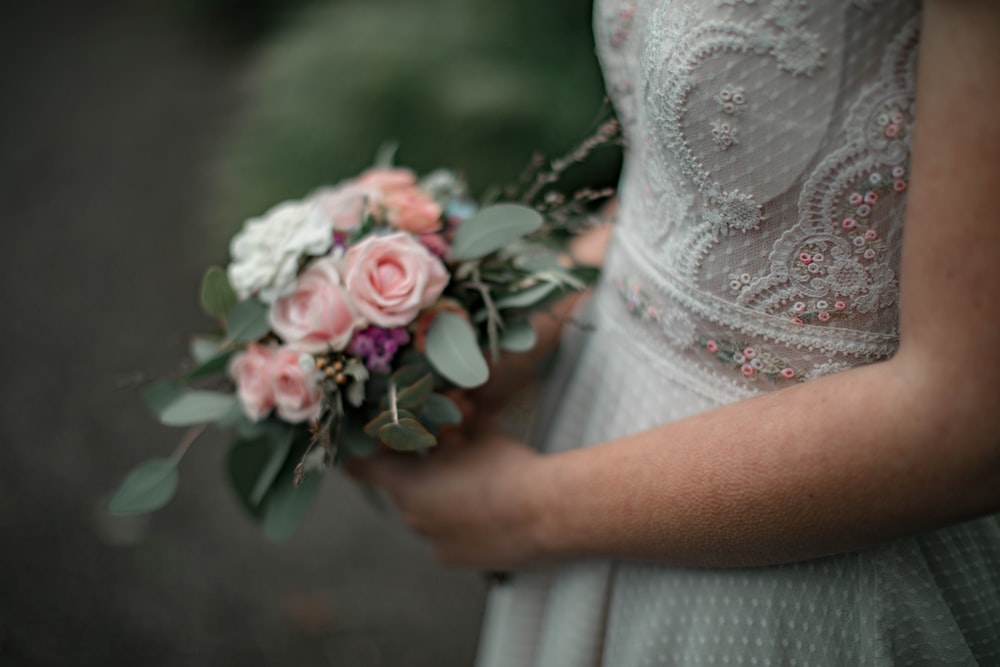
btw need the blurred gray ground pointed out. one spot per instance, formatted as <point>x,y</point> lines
<point>110,115</point>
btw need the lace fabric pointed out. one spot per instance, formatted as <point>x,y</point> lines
<point>758,242</point>
<point>763,198</point>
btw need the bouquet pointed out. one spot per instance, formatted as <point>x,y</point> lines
<point>347,316</point>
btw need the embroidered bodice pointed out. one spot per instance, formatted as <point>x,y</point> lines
<point>762,198</point>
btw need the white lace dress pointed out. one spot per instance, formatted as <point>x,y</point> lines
<point>758,246</point>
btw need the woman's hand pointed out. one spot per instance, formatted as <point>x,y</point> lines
<point>474,500</point>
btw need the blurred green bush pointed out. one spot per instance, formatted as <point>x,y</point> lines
<point>474,85</point>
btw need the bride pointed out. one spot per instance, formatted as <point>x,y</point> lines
<point>780,443</point>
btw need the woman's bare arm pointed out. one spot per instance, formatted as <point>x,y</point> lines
<point>832,465</point>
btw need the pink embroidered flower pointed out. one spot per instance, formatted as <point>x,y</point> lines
<point>850,223</point>
<point>712,346</point>
<point>871,234</point>
<point>899,186</point>
<point>798,320</point>
<point>871,198</point>
<point>898,172</point>
<point>855,198</point>
<point>748,370</point>
<point>805,258</point>
<point>897,117</point>
<point>787,373</point>
<point>318,315</point>
<point>298,397</point>
<point>749,353</point>
<point>869,254</point>
<point>411,210</point>
<point>251,371</point>
<point>823,316</point>
<point>799,307</point>
<point>392,278</point>
<point>839,305</point>
<point>891,130</point>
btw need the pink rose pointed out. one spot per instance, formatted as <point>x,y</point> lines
<point>344,205</point>
<point>411,210</point>
<point>392,278</point>
<point>318,315</point>
<point>298,396</point>
<point>251,370</point>
<point>387,180</point>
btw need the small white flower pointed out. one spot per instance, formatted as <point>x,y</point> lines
<point>267,250</point>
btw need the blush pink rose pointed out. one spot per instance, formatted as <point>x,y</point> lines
<point>345,205</point>
<point>392,278</point>
<point>387,180</point>
<point>318,315</point>
<point>251,370</point>
<point>411,210</point>
<point>298,397</point>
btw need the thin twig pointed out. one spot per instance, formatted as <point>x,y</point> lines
<point>186,442</point>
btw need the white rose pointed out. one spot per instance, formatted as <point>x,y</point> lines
<point>267,250</point>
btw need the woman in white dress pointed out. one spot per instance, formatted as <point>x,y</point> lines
<point>780,444</point>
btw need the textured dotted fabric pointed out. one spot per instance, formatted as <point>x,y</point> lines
<point>757,246</point>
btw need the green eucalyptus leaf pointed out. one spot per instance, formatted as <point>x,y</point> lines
<point>255,462</point>
<point>287,504</point>
<point>407,435</point>
<point>355,444</point>
<point>217,295</point>
<point>385,417</point>
<point>526,298</point>
<point>148,487</point>
<point>439,410</point>
<point>161,394</point>
<point>203,348</point>
<point>586,273</point>
<point>454,352</point>
<point>491,229</point>
<point>518,336</point>
<point>198,407</point>
<point>216,364</point>
<point>412,397</point>
<point>408,374</point>
<point>247,321</point>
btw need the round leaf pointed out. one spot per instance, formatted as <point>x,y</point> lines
<point>406,436</point>
<point>454,352</point>
<point>518,336</point>
<point>198,407</point>
<point>287,504</point>
<point>439,410</point>
<point>247,321</point>
<point>493,228</point>
<point>412,397</point>
<point>148,487</point>
<point>217,295</point>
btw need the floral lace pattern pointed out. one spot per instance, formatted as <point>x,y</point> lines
<point>763,202</point>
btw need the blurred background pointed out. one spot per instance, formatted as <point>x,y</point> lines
<point>135,136</point>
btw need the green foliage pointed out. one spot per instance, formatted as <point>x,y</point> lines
<point>217,295</point>
<point>262,472</point>
<point>191,407</point>
<point>247,321</point>
<point>493,228</point>
<point>406,435</point>
<point>439,410</point>
<point>148,487</point>
<point>518,336</point>
<point>454,352</point>
<point>413,396</point>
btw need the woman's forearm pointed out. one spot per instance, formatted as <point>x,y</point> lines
<point>833,465</point>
